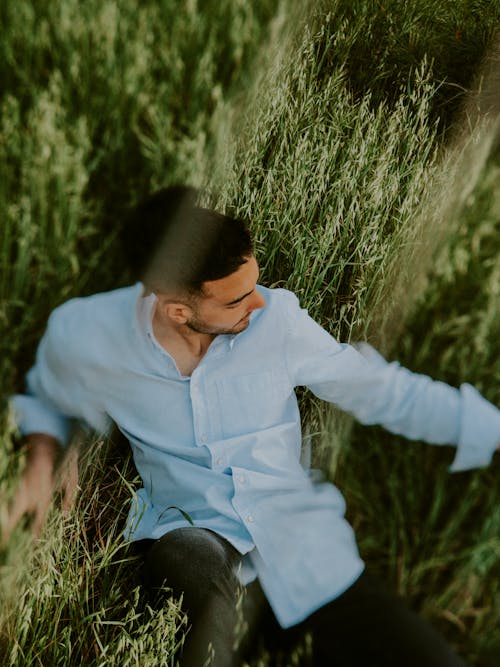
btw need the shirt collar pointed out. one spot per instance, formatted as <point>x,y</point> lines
<point>144,311</point>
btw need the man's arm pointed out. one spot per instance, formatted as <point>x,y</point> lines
<point>377,392</point>
<point>45,416</point>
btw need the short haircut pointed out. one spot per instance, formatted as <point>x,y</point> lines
<point>174,246</point>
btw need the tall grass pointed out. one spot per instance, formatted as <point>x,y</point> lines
<point>99,103</point>
<point>441,545</point>
<point>387,235</point>
<point>326,128</point>
<point>76,599</point>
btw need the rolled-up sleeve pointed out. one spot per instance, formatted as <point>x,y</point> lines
<point>55,397</point>
<point>363,383</point>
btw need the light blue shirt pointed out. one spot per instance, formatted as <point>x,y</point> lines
<point>224,445</point>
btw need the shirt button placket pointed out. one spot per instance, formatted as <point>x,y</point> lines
<point>198,408</point>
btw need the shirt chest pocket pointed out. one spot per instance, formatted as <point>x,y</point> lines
<point>253,401</point>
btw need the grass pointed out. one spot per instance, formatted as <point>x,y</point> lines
<point>338,135</point>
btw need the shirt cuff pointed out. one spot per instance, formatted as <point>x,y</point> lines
<point>31,415</point>
<point>479,431</point>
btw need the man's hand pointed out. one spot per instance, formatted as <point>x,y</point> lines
<point>38,483</point>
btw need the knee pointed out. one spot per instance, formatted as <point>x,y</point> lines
<point>193,562</point>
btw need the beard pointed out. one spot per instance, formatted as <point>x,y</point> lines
<point>198,325</point>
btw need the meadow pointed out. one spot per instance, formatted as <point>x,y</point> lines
<point>362,141</point>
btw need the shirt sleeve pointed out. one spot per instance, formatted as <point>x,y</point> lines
<point>363,383</point>
<point>55,396</point>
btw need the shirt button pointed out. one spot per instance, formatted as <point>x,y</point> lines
<point>204,437</point>
<point>242,479</point>
<point>219,461</point>
<point>250,518</point>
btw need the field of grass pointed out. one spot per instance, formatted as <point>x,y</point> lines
<point>361,141</point>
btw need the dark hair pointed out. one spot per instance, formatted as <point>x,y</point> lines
<point>173,245</point>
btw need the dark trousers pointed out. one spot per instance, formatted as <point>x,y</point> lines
<point>365,626</point>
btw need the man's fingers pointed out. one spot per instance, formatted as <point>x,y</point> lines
<point>69,496</point>
<point>14,512</point>
<point>39,521</point>
<point>29,498</point>
<point>5,526</point>
<point>68,480</point>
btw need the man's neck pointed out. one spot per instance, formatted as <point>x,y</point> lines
<point>186,346</point>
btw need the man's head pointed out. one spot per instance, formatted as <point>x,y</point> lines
<point>199,262</point>
<point>174,246</point>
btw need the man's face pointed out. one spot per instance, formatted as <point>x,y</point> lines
<point>226,304</point>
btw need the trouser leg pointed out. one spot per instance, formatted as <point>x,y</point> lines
<point>368,625</point>
<point>199,565</point>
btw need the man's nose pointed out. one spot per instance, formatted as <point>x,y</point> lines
<point>257,302</point>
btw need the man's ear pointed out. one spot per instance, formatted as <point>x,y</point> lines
<point>175,311</point>
<point>178,312</point>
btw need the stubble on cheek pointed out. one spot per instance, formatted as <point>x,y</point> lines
<point>198,325</point>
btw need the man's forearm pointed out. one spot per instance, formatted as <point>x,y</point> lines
<point>42,448</point>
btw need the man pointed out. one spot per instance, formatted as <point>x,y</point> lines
<point>197,366</point>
